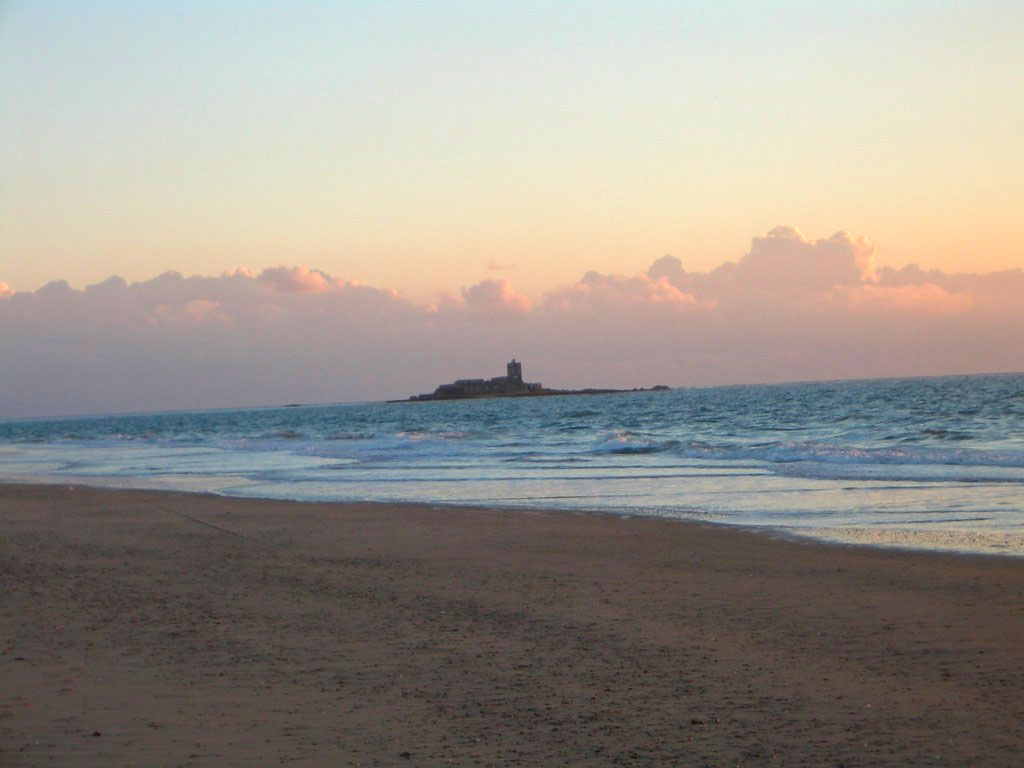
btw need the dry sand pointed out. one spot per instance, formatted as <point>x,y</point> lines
<point>143,628</point>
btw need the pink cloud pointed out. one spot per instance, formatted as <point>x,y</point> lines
<point>793,307</point>
<point>240,272</point>
<point>300,279</point>
<point>994,291</point>
<point>496,298</point>
<point>5,290</point>
<point>786,262</point>
<point>668,267</point>
<point>193,313</point>
<point>597,291</point>
<point>925,298</point>
<point>782,265</point>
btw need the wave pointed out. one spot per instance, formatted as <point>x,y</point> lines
<point>804,458</point>
<point>628,443</point>
<point>833,453</point>
<point>818,452</point>
<point>902,432</point>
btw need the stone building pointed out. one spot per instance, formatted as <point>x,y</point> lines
<point>510,384</point>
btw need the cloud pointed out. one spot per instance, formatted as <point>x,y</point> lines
<point>990,292</point>
<point>595,291</point>
<point>668,267</point>
<point>785,261</point>
<point>496,298</point>
<point>193,313</point>
<point>783,264</point>
<point>497,266</point>
<point>295,279</point>
<point>792,307</point>
<point>927,298</point>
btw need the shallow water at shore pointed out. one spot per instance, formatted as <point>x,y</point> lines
<point>933,463</point>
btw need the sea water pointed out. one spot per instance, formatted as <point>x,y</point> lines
<point>936,463</point>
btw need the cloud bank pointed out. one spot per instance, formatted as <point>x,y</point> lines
<point>792,308</point>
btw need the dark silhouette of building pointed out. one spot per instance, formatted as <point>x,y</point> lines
<point>515,371</point>
<point>510,384</point>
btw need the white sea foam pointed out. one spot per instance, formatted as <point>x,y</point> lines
<point>947,539</point>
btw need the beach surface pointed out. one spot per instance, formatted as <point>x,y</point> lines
<point>168,629</point>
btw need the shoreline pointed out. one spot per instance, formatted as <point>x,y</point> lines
<point>152,627</point>
<point>999,543</point>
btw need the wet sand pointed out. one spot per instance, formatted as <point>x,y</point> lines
<point>144,628</point>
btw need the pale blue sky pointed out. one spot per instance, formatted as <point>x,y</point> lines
<point>407,144</point>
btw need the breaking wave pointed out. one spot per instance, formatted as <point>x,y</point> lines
<point>927,452</point>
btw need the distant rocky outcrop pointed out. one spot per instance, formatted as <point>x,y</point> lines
<point>509,385</point>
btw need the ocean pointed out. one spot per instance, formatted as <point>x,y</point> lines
<point>933,463</point>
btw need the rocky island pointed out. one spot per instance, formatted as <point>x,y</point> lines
<point>510,385</point>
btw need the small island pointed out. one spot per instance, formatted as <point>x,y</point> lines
<point>510,385</point>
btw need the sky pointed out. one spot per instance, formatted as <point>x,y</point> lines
<point>629,194</point>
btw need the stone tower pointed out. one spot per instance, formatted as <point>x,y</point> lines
<point>515,372</point>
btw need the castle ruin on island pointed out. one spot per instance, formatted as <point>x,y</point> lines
<point>509,385</point>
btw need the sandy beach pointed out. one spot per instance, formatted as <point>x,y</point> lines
<point>146,628</point>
